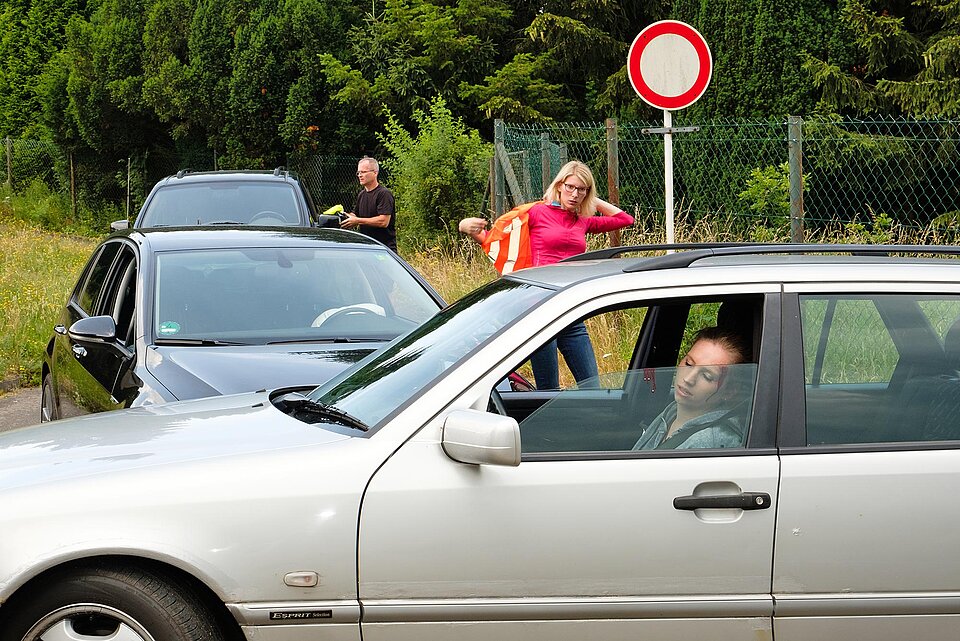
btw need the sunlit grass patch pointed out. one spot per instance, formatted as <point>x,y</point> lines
<point>37,271</point>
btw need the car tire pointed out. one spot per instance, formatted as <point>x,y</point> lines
<point>101,602</point>
<point>48,402</point>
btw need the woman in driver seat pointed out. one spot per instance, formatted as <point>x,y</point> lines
<point>707,396</point>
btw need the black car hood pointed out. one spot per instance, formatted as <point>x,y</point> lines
<point>195,372</point>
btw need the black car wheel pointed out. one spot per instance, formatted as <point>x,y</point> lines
<point>48,404</point>
<point>104,603</point>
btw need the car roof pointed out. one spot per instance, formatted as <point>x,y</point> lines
<point>803,259</point>
<point>170,238</point>
<point>186,176</point>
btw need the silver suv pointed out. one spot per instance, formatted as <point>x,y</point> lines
<point>408,498</point>
<point>188,198</point>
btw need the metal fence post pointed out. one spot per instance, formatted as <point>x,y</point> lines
<point>795,145</point>
<point>498,180</point>
<point>613,173</point>
<point>9,162</point>
<point>73,189</point>
<point>545,165</point>
<point>128,187</point>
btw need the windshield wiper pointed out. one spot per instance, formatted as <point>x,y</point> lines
<point>300,402</point>
<point>203,342</point>
<point>340,339</point>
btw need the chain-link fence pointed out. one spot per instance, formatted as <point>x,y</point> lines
<point>811,171</point>
<point>332,180</point>
<point>841,170</point>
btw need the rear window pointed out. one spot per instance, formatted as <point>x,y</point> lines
<point>246,202</point>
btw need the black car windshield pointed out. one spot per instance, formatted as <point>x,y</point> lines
<point>246,202</point>
<point>281,295</point>
<point>385,380</point>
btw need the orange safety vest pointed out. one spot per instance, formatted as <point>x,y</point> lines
<point>507,244</point>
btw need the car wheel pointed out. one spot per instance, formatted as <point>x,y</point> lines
<point>48,403</point>
<point>103,603</point>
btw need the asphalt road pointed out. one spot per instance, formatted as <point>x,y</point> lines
<point>19,408</point>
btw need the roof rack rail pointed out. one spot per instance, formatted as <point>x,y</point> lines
<point>698,251</point>
<point>183,172</point>
<point>279,170</point>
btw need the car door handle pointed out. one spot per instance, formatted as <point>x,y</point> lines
<point>742,501</point>
<point>79,351</point>
<point>60,329</point>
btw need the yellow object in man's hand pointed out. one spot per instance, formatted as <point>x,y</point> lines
<point>333,211</point>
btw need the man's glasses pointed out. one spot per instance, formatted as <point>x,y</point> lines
<point>572,189</point>
<point>361,172</point>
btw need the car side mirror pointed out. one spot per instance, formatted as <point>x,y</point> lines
<point>97,329</point>
<point>481,438</point>
<point>117,225</point>
<point>331,221</point>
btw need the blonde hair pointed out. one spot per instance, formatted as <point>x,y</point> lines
<point>588,206</point>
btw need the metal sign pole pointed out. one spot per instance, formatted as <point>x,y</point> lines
<point>668,172</point>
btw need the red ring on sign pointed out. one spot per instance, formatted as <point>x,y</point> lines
<point>647,36</point>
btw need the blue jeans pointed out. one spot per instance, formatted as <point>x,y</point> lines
<point>574,344</point>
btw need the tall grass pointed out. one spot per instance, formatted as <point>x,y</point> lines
<point>37,270</point>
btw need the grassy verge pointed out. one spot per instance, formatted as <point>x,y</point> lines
<point>37,270</point>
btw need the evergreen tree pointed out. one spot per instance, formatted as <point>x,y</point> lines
<point>758,49</point>
<point>31,33</point>
<point>905,59</point>
<point>407,52</point>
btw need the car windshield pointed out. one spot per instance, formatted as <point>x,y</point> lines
<point>247,202</point>
<point>276,295</point>
<point>385,380</point>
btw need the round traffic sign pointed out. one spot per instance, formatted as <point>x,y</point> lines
<point>669,65</point>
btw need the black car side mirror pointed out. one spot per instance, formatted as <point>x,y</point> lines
<point>98,329</point>
<point>329,220</point>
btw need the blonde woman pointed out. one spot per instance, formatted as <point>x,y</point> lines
<point>558,229</point>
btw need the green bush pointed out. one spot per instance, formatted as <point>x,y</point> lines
<point>437,176</point>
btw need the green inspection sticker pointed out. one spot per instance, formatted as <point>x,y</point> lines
<point>169,327</point>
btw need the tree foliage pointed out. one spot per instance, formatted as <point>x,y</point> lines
<point>905,59</point>
<point>438,174</point>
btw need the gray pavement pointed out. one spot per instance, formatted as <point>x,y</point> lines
<point>19,407</point>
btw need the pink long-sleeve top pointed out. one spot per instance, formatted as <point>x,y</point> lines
<point>556,233</point>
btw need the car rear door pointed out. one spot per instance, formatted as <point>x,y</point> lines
<point>870,493</point>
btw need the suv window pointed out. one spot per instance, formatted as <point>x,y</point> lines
<point>246,202</point>
<point>880,368</point>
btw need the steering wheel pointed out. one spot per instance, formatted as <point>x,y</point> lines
<point>350,310</point>
<point>495,405</point>
<point>267,215</point>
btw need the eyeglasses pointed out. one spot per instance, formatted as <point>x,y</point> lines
<point>572,189</point>
<point>361,172</point>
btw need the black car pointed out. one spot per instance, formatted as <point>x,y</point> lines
<point>264,198</point>
<point>170,314</point>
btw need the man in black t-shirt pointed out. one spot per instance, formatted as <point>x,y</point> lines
<point>375,212</point>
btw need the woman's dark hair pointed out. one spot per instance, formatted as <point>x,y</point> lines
<point>731,340</point>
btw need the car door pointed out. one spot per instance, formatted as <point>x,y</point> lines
<point>870,492</point>
<point>577,541</point>
<point>71,378</point>
<point>89,369</point>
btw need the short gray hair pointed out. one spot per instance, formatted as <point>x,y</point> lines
<point>373,163</point>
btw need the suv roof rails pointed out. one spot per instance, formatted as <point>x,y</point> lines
<point>699,251</point>
<point>183,172</point>
<point>279,170</point>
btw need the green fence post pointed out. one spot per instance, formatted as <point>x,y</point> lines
<point>546,172</point>
<point>613,173</point>
<point>9,162</point>
<point>795,145</point>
